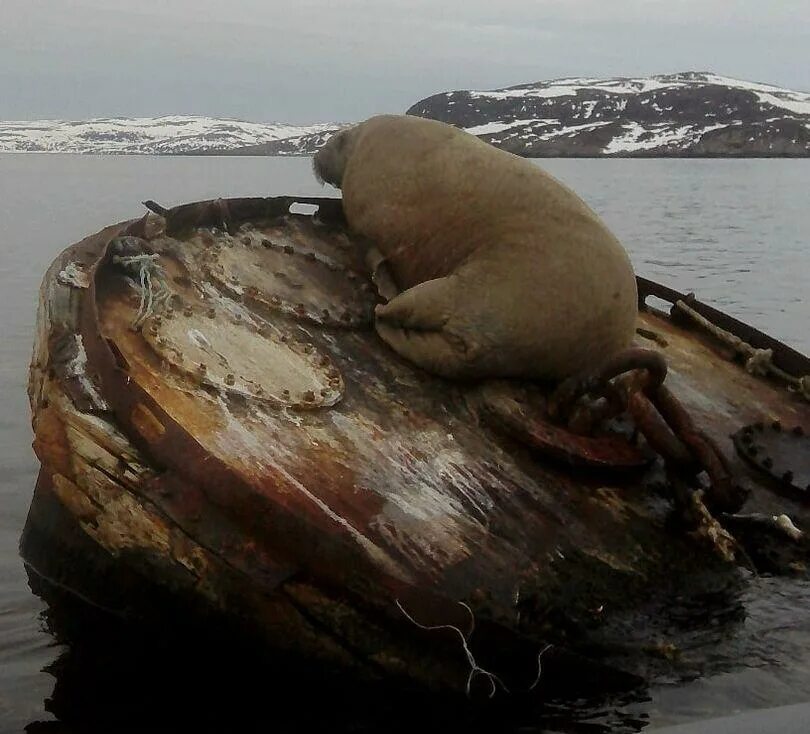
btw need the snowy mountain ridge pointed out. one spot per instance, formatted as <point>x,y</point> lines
<point>146,136</point>
<point>671,115</point>
<point>684,114</point>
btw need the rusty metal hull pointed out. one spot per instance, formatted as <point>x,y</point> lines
<point>255,449</point>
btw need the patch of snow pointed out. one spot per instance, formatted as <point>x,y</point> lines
<point>637,137</point>
<point>572,130</point>
<point>497,127</point>
<point>794,103</point>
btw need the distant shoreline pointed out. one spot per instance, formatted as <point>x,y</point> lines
<point>576,156</point>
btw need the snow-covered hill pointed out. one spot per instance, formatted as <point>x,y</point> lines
<point>160,135</point>
<point>685,114</point>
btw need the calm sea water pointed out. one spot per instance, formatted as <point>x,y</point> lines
<point>737,233</point>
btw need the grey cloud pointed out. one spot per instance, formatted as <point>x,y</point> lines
<point>316,60</point>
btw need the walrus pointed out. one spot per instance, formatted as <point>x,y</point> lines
<point>501,270</point>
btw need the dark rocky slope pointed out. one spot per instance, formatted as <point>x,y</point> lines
<point>686,114</point>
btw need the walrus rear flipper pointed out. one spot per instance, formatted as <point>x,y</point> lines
<point>414,324</point>
<point>434,351</point>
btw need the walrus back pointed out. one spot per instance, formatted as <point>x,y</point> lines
<point>537,285</point>
<point>431,195</point>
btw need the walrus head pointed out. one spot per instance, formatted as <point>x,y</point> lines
<point>330,161</point>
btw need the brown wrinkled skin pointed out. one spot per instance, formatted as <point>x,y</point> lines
<point>504,271</point>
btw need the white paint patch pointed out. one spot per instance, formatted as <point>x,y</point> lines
<point>74,276</point>
<point>77,368</point>
<point>196,336</point>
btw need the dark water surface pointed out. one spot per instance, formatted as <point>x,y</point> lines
<point>737,233</point>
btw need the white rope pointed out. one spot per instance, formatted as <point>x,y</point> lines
<point>475,669</point>
<point>153,288</point>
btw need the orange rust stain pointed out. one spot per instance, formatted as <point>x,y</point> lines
<point>722,396</point>
<point>147,423</point>
<point>50,441</point>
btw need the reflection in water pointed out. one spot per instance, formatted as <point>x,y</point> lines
<point>179,675</point>
<point>114,676</point>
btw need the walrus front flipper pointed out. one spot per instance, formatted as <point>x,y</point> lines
<point>414,324</point>
<point>381,274</point>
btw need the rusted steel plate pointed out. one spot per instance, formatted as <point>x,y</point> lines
<point>284,439</point>
<point>523,417</point>
<point>782,453</point>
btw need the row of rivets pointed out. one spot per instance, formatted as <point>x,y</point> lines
<point>748,446</point>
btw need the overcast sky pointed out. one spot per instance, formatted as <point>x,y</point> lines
<point>339,60</point>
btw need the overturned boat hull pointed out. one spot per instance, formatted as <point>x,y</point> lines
<point>218,422</point>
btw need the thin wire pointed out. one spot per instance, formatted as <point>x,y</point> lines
<point>475,669</point>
